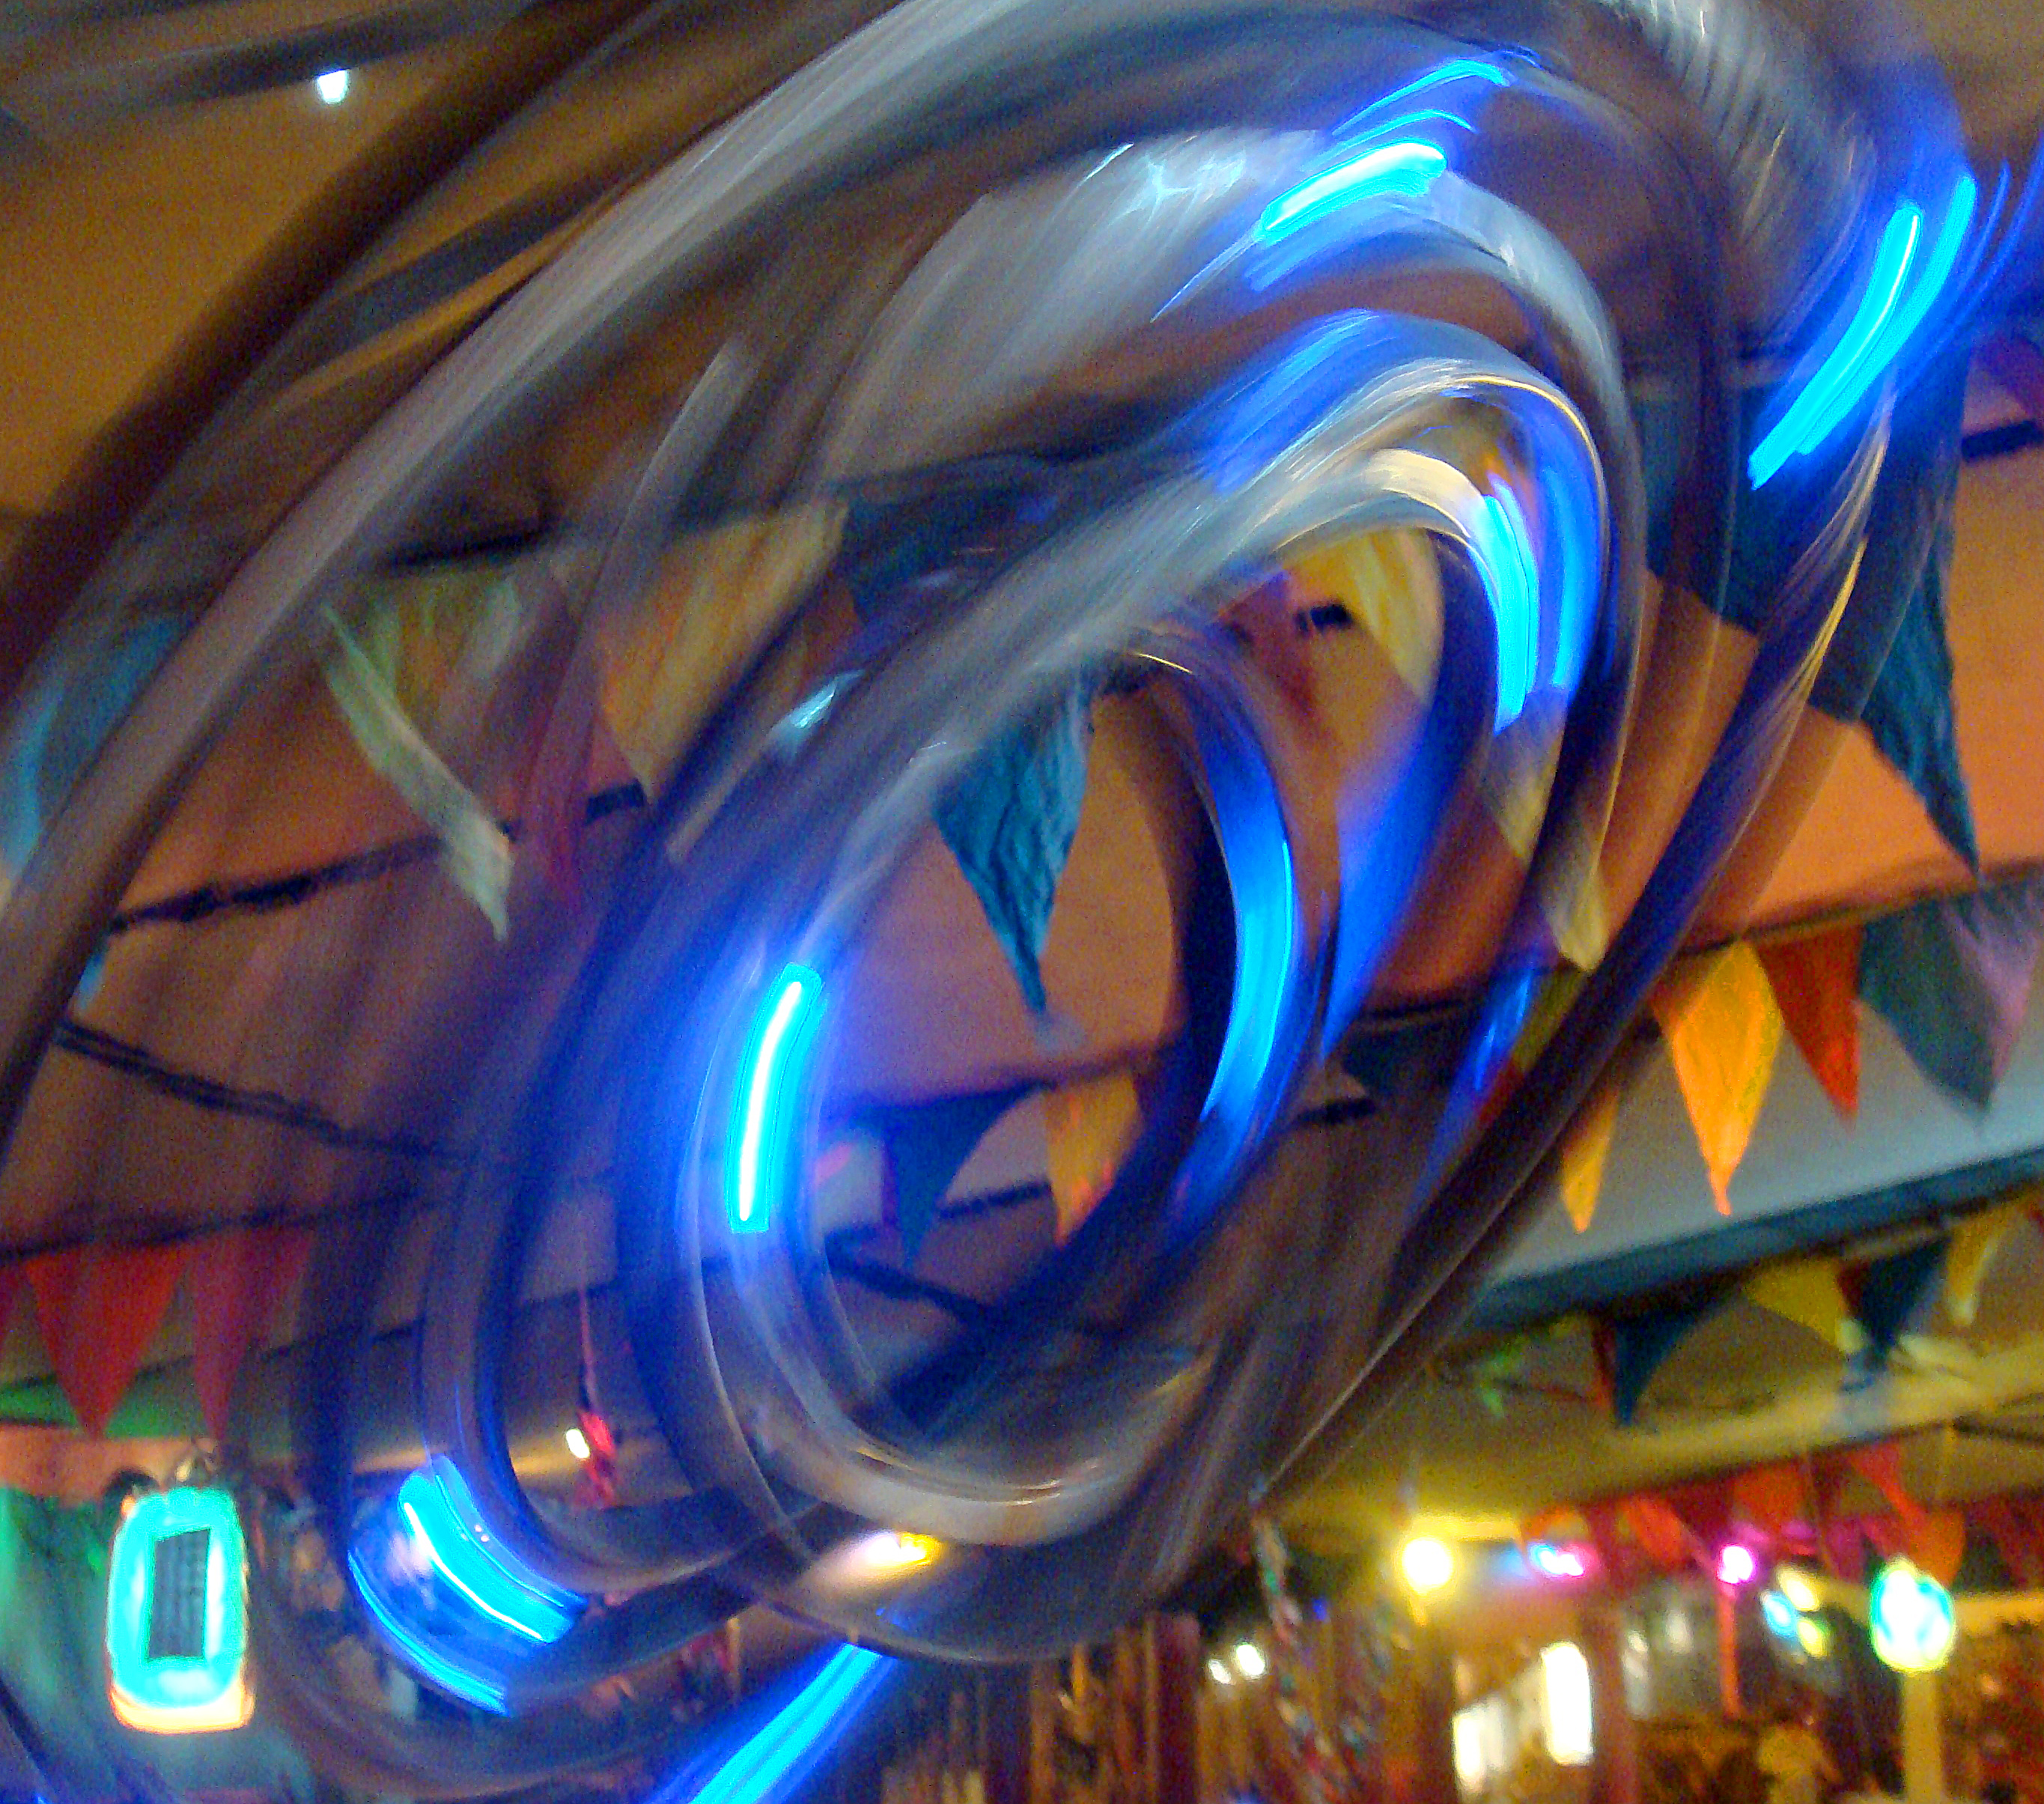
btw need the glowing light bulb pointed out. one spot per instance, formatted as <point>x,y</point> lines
<point>1428,1563</point>
<point>331,87</point>
<point>1796,1587</point>
<point>1552,1562</point>
<point>1736,1565</point>
<point>888,1551</point>
<point>1248,1661</point>
<point>1217,1670</point>
<point>1910,1616</point>
<point>577,1443</point>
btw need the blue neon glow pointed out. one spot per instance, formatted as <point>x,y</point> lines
<point>1781,1615</point>
<point>1408,168</point>
<point>456,1679</point>
<point>436,1504</point>
<point>770,1762</point>
<point>1456,69</point>
<point>1890,309</point>
<point>1501,543</point>
<point>776,1065</point>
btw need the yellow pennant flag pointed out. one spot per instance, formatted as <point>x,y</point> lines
<point>1971,1251</point>
<point>720,595</point>
<point>1090,1126</point>
<point>1723,1029</point>
<point>1391,583</point>
<point>1806,1292</point>
<point>1584,1148</point>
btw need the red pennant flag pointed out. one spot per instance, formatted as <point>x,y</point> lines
<point>237,1280</point>
<point>100,1307</point>
<point>1663,1537</point>
<point>1769,1496</point>
<point>1815,979</point>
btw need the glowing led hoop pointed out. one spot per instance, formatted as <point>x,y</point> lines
<point>772,1070</point>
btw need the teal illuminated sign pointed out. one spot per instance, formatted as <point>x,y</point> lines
<point>177,1618</point>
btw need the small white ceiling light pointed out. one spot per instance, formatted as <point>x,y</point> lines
<point>1248,1661</point>
<point>577,1443</point>
<point>331,87</point>
<point>1217,1670</point>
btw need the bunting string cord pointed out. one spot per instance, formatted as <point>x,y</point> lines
<point>198,1091</point>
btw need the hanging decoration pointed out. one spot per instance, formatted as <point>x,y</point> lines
<point>926,1144</point>
<point>1805,1291</point>
<point>1952,977</point>
<point>1816,980</point>
<point>1090,1126</point>
<point>1723,1032</point>
<point>177,1631</point>
<point>1585,1149</point>
<point>1631,1349</point>
<point>1883,1295</point>
<point>1969,1255</point>
<point>235,1281</point>
<point>99,1308</point>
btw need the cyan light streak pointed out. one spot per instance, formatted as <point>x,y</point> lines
<point>774,1069</point>
<point>1502,544</point>
<point>770,1761</point>
<point>1456,69</point>
<point>1904,284</point>
<point>1409,168</point>
<point>456,1679</point>
<point>436,1505</point>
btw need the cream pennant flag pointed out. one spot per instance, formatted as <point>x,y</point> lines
<point>1723,1030</point>
<point>1969,1254</point>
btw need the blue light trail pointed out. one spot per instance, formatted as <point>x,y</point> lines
<point>1407,168</point>
<point>773,1069</point>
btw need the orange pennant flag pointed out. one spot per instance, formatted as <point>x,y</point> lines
<point>1770,1497</point>
<point>1584,1148</point>
<point>1968,1256</point>
<point>1723,1030</point>
<point>99,1308</point>
<point>1089,1126</point>
<point>1815,979</point>
<point>237,1280</point>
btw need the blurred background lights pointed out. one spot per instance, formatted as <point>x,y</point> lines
<point>1736,1565</point>
<point>1427,1562</point>
<point>1217,1670</point>
<point>1553,1562</point>
<point>1248,1661</point>
<point>888,1551</point>
<point>577,1443</point>
<point>331,87</point>
<point>1912,1619</point>
<point>1796,1587</point>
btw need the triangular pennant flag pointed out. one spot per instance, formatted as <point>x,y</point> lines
<point>1390,583</point>
<point>1969,1254</point>
<point>1805,1292</point>
<point>1770,1498</point>
<point>1586,1148</point>
<point>1938,1544</point>
<point>237,1281</point>
<point>926,1143</point>
<point>1952,977</point>
<point>1662,1536</point>
<point>99,1308</point>
<point>1880,1464</point>
<point>1010,822</point>
<point>1090,1126</point>
<point>1641,1344</point>
<point>475,851</point>
<point>668,659</point>
<point>1815,979</point>
<point>1723,1031</point>
<point>1884,1294</point>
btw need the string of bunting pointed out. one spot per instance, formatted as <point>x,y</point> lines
<point>99,1309</point>
<point>1951,976</point>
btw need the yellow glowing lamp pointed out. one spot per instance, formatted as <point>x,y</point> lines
<point>177,1615</point>
<point>1427,1562</point>
<point>1911,1616</point>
